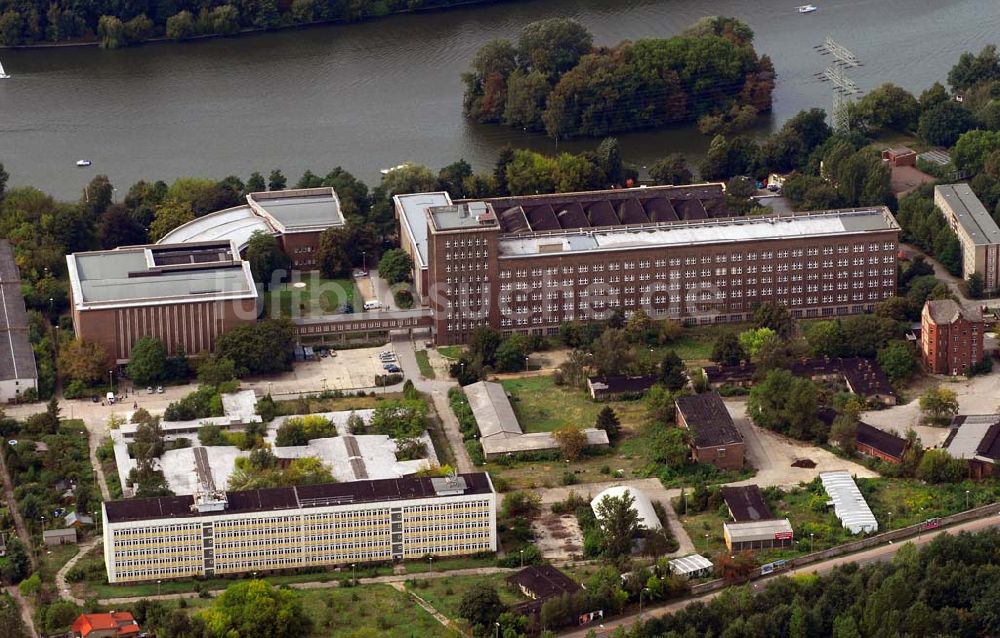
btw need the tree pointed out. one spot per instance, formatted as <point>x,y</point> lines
<point>111,32</point>
<point>483,345</point>
<point>612,353</point>
<point>944,123</point>
<point>608,421</point>
<point>975,285</point>
<point>342,247</point>
<point>619,524</point>
<point>261,348</point>
<point>939,405</point>
<point>481,606</point>
<point>897,361</point>
<point>671,170</point>
<point>511,355</point>
<point>937,466</point>
<point>553,46</point>
<point>169,215</point>
<point>774,316</point>
<point>118,228</point>
<point>180,26</point>
<point>18,565</point>
<point>396,266</point>
<point>973,148</point>
<point>786,404</point>
<point>276,181</point>
<point>215,370</point>
<point>572,441</point>
<point>266,258</point>
<point>735,568</point>
<point>256,183</point>
<point>672,371</point>
<point>660,408</point>
<point>148,362</point>
<point>254,608</point>
<point>83,361</point>
<point>728,351</point>
<point>844,432</point>
<point>752,341</point>
<point>971,69</point>
<point>890,107</point>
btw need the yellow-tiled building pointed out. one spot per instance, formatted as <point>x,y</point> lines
<point>305,526</point>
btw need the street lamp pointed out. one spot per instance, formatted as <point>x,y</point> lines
<point>354,574</point>
<point>43,523</point>
<point>430,559</point>
<point>966,499</point>
<point>364,262</point>
<point>111,380</point>
<point>158,588</point>
<point>812,540</point>
<point>890,520</point>
<point>522,559</point>
<point>497,634</point>
<point>641,591</point>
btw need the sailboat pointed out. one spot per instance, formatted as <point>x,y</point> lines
<point>3,74</point>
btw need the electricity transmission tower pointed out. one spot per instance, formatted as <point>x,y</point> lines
<point>844,88</point>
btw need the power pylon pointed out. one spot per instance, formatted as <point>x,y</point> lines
<point>844,88</point>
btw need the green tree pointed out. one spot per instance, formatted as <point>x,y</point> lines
<point>974,285</point>
<point>266,258</point>
<point>897,360</point>
<point>672,371</point>
<point>117,227</point>
<point>727,350</point>
<point>181,26</point>
<point>786,404</point>
<point>939,405</point>
<point>937,466</point>
<point>169,215</point>
<point>890,107</point>
<point>572,441</point>
<point>276,181</point>
<point>262,348</point>
<point>754,339</point>
<point>111,32</point>
<point>553,46</point>
<point>215,370</point>
<point>148,361</point>
<point>774,316</point>
<point>612,353</point>
<point>973,148</point>
<point>608,421</point>
<point>481,606</point>
<point>971,70</point>
<point>844,432</point>
<point>671,170</point>
<point>527,92</point>
<point>619,524</point>
<point>944,123</point>
<point>83,361</point>
<point>396,266</point>
<point>256,183</point>
<point>511,354</point>
<point>254,608</point>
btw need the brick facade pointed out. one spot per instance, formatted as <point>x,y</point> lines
<point>951,338</point>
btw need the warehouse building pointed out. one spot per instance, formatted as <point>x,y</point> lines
<point>714,437</point>
<point>18,373</point>
<point>296,217</point>
<point>217,533</point>
<point>529,264</point>
<point>977,231</point>
<point>185,295</point>
<point>975,438</point>
<point>764,534</point>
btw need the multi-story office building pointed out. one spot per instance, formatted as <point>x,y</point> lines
<point>216,533</point>
<point>183,294</point>
<point>977,232</point>
<point>530,264</point>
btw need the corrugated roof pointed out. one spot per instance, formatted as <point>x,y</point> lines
<point>969,212</point>
<point>494,414</point>
<point>848,503</point>
<point>975,436</point>
<point>687,565</point>
<point>757,530</point>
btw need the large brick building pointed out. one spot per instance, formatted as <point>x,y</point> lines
<point>714,437</point>
<point>528,264</point>
<point>185,295</point>
<point>295,217</point>
<point>951,337</point>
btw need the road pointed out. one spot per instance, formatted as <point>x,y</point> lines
<point>876,554</point>
<point>62,586</point>
<point>25,608</point>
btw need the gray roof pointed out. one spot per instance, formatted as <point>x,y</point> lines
<point>300,210</point>
<point>692,564</point>
<point>848,503</point>
<point>457,216</point>
<point>494,414</point>
<point>59,533</point>
<point>412,209</point>
<point>944,311</point>
<point>536,442</point>
<point>941,158</point>
<point>17,359</point>
<point>233,224</point>
<point>757,530</point>
<point>132,275</point>
<point>776,227</point>
<point>969,212</point>
<point>974,436</point>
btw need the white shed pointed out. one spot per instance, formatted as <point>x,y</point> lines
<point>647,515</point>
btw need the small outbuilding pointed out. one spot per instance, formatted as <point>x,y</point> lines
<point>78,520</point>
<point>746,503</point>
<point>848,503</point>
<point>65,536</point>
<point>617,387</point>
<point>640,503</point>
<point>693,566</point>
<point>879,444</point>
<point>758,534</point>
<point>900,156</point>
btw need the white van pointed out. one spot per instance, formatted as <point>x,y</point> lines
<point>110,398</point>
<point>372,305</point>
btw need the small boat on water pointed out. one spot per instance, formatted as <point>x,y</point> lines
<point>386,171</point>
<point>806,8</point>
<point>83,163</point>
<point>3,74</point>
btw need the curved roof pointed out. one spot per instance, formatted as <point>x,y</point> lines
<point>647,515</point>
<point>235,224</point>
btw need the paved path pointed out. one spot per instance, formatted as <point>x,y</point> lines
<point>426,606</point>
<point>61,585</point>
<point>876,554</point>
<point>24,607</point>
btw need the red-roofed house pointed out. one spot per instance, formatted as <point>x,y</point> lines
<point>114,625</point>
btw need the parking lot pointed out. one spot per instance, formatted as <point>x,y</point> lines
<point>345,370</point>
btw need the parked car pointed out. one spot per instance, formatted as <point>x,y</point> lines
<point>149,389</point>
<point>386,366</point>
<point>159,389</point>
<point>324,353</point>
<point>393,368</point>
<point>94,398</point>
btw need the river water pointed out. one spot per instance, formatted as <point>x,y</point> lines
<point>372,95</point>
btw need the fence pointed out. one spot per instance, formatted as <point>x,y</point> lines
<point>864,543</point>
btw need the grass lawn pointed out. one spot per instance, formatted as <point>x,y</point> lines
<point>451,352</point>
<point>53,558</point>
<point>331,404</point>
<point>424,363</point>
<point>543,406</point>
<point>338,613</point>
<point>445,594</point>
<point>696,342</point>
<point>912,501</point>
<point>317,296</point>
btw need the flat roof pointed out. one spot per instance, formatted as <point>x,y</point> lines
<point>970,213</point>
<point>708,419</point>
<point>457,216</point>
<point>412,210</point>
<point>232,224</point>
<point>299,210</point>
<point>156,274</point>
<point>776,227</point>
<point>757,530</point>
<point>302,496</point>
<point>17,359</point>
<point>536,442</point>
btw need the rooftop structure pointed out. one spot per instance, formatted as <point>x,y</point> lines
<point>848,503</point>
<point>746,503</point>
<point>299,210</point>
<point>942,311</point>
<point>978,233</point>
<point>499,430</point>
<point>640,503</point>
<point>758,534</point>
<point>693,566</point>
<point>235,224</point>
<point>18,373</point>
<point>708,419</point>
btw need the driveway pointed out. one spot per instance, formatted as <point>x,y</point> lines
<point>772,455</point>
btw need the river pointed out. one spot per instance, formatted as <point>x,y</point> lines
<point>372,95</point>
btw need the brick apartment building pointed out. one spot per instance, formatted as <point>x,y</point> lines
<point>296,217</point>
<point>529,264</point>
<point>185,295</point>
<point>951,337</point>
<point>977,231</point>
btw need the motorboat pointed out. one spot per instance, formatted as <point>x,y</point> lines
<point>3,74</point>
<point>386,171</point>
<point>806,8</point>
<point>83,163</point>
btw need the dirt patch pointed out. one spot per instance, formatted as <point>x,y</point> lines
<point>806,463</point>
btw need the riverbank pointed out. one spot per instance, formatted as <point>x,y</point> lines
<point>95,41</point>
